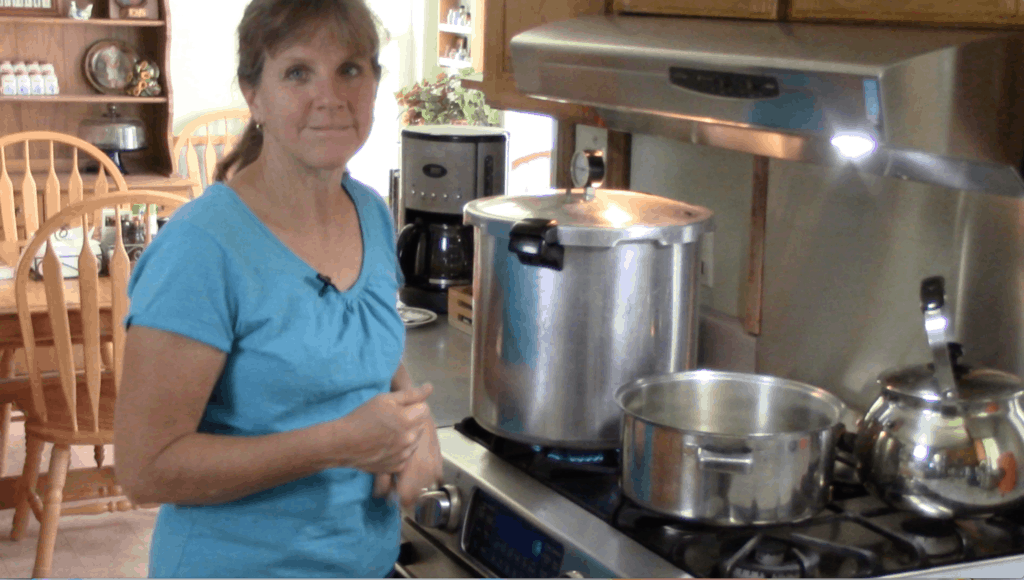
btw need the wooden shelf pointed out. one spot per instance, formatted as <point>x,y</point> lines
<point>463,30</point>
<point>72,22</point>
<point>62,41</point>
<point>82,99</point>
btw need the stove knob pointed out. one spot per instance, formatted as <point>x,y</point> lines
<point>571,574</point>
<point>439,509</point>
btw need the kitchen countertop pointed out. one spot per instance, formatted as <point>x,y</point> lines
<point>439,354</point>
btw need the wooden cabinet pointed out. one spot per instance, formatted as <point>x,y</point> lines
<point>762,9</point>
<point>916,11</point>
<point>63,42</point>
<point>503,19</point>
<point>911,11</point>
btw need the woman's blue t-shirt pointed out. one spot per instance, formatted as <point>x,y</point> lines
<point>217,275</point>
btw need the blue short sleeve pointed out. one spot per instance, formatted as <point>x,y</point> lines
<point>180,285</point>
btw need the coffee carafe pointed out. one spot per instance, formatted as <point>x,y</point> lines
<point>443,168</point>
<point>436,255</point>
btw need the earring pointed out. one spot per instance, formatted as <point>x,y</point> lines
<point>259,126</point>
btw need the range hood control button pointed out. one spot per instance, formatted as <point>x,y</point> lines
<point>724,84</point>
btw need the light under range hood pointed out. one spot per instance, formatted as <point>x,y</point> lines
<point>938,106</point>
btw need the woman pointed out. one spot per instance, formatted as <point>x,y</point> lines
<point>263,399</point>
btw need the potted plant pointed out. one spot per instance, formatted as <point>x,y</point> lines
<point>445,101</point>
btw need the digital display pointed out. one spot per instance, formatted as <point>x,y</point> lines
<point>508,545</point>
<point>872,104</point>
<point>516,536</point>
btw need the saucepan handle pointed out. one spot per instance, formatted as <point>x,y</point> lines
<point>740,462</point>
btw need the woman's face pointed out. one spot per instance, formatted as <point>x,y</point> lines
<point>315,102</point>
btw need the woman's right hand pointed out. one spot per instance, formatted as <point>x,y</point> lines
<point>383,432</point>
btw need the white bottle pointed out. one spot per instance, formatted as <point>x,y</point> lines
<point>50,84</point>
<point>35,79</point>
<point>24,84</point>
<point>8,82</point>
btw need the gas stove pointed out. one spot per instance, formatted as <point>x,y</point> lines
<point>519,511</point>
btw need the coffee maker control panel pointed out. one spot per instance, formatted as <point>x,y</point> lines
<point>436,201</point>
<point>444,167</point>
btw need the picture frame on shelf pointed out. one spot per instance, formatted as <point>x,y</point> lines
<point>30,8</point>
<point>109,65</point>
<point>133,9</point>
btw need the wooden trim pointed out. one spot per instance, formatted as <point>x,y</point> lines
<point>755,268</point>
<point>72,98</point>
<point>493,29</point>
<point>753,10</point>
<point>782,9</point>
<point>908,20</point>
<point>166,123</point>
<point>62,21</point>
<point>618,160</point>
<point>565,146</point>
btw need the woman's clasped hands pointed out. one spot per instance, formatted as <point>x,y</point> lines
<point>396,440</point>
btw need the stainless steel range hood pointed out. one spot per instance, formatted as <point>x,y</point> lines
<point>929,105</point>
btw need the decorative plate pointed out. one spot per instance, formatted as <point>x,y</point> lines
<point>414,317</point>
<point>109,65</point>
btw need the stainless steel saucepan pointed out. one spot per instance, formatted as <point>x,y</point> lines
<point>728,448</point>
<point>943,439</point>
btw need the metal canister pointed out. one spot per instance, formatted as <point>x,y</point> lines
<point>577,292</point>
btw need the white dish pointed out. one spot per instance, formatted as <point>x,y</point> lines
<point>415,317</point>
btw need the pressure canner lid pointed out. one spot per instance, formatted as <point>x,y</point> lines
<point>604,219</point>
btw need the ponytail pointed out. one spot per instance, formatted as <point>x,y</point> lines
<point>247,151</point>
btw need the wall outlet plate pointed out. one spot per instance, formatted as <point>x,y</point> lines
<point>588,137</point>
<point>707,259</point>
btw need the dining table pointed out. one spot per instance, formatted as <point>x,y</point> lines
<point>10,327</point>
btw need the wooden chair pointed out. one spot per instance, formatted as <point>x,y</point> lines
<point>54,159</point>
<point>216,134</point>
<point>72,407</point>
<point>59,175</point>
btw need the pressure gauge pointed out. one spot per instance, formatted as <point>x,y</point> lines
<point>588,168</point>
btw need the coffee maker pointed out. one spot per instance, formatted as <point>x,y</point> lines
<point>443,168</point>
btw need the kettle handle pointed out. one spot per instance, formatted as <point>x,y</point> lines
<point>936,326</point>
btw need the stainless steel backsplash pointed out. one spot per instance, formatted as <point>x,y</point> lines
<point>845,255</point>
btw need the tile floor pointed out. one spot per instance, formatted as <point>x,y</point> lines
<point>113,545</point>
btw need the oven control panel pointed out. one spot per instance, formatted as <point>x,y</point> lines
<point>506,544</point>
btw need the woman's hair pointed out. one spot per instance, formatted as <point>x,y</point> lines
<point>269,26</point>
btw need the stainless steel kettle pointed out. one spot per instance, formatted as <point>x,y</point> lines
<point>943,439</point>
